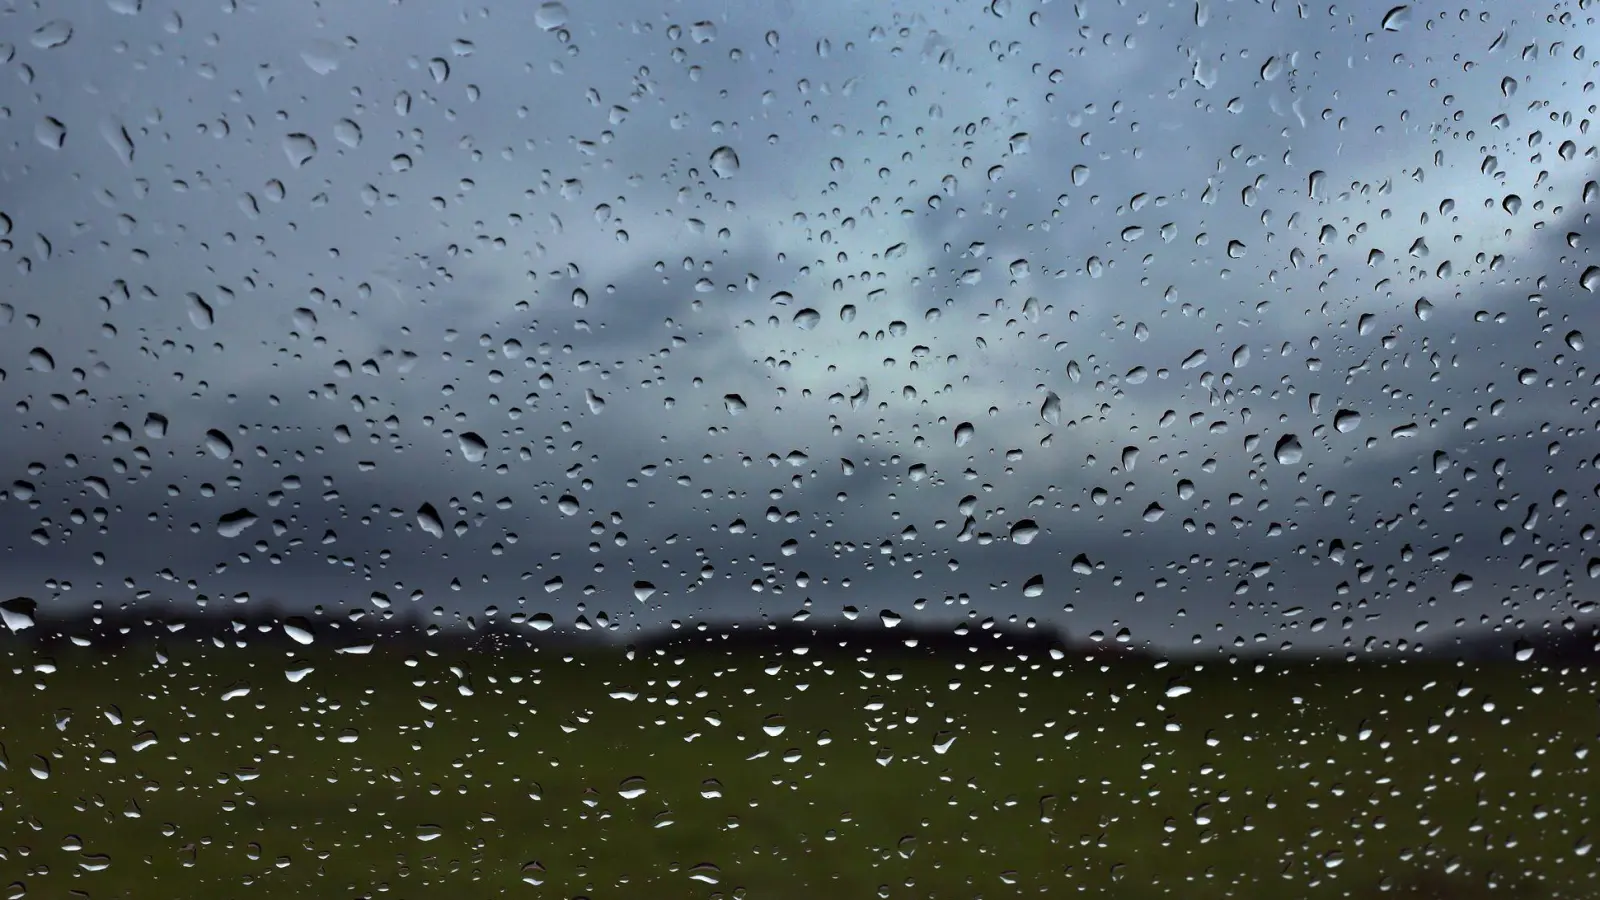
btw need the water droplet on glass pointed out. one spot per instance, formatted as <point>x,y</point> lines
<point>1033,587</point>
<point>218,444</point>
<point>550,15</point>
<point>734,404</point>
<point>51,34</point>
<point>298,629</point>
<point>473,447</point>
<point>299,148</point>
<point>18,612</point>
<point>533,873</point>
<point>643,590</point>
<point>724,162</point>
<point>705,872</point>
<point>964,434</point>
<point>631,788</point>
<point>807,319</point>
<point>1023,533</point>
<point>1346,420</point>
<point>1050,409</point>
<point>428,520</point>
<point>347,133</point>
<point>233,524</point>
<point>1396,18</point>
<point>1590,279</point>
<point>51,132</point>
<point>1288,450</point>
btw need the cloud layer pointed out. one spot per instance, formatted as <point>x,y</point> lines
<point>1225,323</point>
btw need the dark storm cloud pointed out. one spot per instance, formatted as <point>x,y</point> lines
<point>472,170</point>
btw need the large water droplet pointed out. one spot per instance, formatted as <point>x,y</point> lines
<point>551,15</point>
<point>18,612</point>
<point>233,524</point>
<point>51,132</point>
<point>1023,533</point>
<point>724,162</point>
<point>300,148</point>
<point>473,447</point>
<point>428,520</point>
<point>218,444</point>
<point>1288,450</point>
<point>51,34</point>
<point>1050,409</point>
<point>1590,279</point>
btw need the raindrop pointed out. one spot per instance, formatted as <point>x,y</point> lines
<point>807,319</point>
<point>533,873</point>
<point>724,162</point>
<point>1050,409</point>
<point>428,520</point>
<point>52,34</point>
<point>18,612</point>
<point>1033,587</point>
<point>40,360</point>
<point>298,629</point>
<point>1317,185</point>
<point>643,590</point>
<point>233,524</point>
<point>1288,450</point>
<point>550,15</point>
<point>347,133</point>
<point>1590,279</point>
<point>964,434</point>
<point>51,132</point>
<point>631,788</point>
<point>218,444</point>
<point>1023,533</point>
<point>1346,420</point>
<point>734,404</point>
<point>1396,18</point>
<point>300,148</point>
<point>155,426</point>
<point>472,446</point>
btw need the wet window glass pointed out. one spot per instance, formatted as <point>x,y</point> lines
<point>770,450</point>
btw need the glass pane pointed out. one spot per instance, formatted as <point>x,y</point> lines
<point>782,449</point>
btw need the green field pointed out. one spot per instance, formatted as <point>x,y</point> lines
<point>787,777</point>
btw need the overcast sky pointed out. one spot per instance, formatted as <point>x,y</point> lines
<point>1197,290</point>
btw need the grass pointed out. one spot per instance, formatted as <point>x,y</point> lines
<point>785,777</point>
